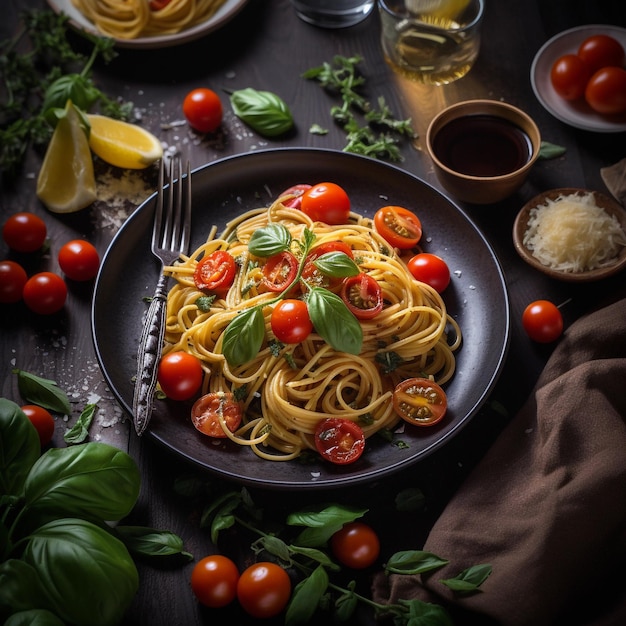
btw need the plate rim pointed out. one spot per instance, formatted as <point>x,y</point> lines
<point>605,127</point>
<point>332,481</point>
<point>224,14</point>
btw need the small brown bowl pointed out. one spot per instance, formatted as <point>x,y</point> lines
<point>520,226</point>
<point>482,150</point>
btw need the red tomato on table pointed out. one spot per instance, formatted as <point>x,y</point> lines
<point>45,293</point>
<point>264,589</point>
<point>79,260</point>
<point>356,545</point>
<point>43,422</point>
<point>202,108</point>
<point>542,321</point>
<point>214,581</point>
<point>13,277</point>
<point>24,232</point>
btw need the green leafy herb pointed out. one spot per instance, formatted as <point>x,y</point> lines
<point>148,542</point>
<point>337,265</point>
<point>413,562</point>
<point>549,150</point>
<point>270,240</point>
<point>243,337</point>
<point>469,580</point>
<point>42,392</point>
<point>80,431</point>
<point>388,361</point>
<point>204,303</point>
<point>263,111</point>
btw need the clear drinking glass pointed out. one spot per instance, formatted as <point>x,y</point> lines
<point>431,41</point>
<point>333,13</point>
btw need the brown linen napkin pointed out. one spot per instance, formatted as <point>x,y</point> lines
<point>546,507</point>
<point>614,178</point>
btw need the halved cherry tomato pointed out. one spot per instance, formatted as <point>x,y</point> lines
<point>215,272</point>
<point>79,260</point>
<point>24,232</point>
<point>43,422</point>
<point>430,269</point>
<point>297,190</point>
<point>157,5</point>
<point>363,296</point>
<point>600,51</point>
<point>202,108</point>
<point>13,277</point>
<point>420,401</point>
<point>290,321</point>
<point>264,589</point>
<point>279,271</point>
<point>326,202</point>
<point>214,581</point>
<point>45,293</point>
<point>400,227</point>
<point>356,545</point>
<point>542,321</point>
<point>179,375</point>
<point>606,91</point>
<point>313,276</point>
<point>207,411</point>
<point>340,441</point>
<point>569,76</point>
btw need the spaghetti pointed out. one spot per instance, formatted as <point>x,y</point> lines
<point>129,19</point>
<point>287,389</point>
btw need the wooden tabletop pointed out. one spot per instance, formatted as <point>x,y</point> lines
<point>268,48</point>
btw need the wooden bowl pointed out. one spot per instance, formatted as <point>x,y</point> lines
<point>612,207</point>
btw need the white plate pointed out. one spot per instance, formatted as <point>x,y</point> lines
<point>224,14</point>
<point>578,114</point>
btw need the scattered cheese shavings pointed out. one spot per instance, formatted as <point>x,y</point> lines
<point>573,234</point>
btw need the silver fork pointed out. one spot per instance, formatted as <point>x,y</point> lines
<point>170,239</point>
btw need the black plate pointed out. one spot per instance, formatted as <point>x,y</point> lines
<point>476,298</point>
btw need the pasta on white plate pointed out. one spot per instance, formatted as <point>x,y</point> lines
<point>286,389</point>
<point>130,19</point>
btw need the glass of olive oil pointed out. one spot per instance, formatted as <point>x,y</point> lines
<point>431,41</point>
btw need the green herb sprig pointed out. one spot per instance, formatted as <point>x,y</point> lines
<point>371,131</point>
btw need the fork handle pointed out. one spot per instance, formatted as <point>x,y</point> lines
<point>148,356</point>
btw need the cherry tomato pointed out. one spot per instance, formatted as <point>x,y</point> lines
<point>290,321</point>
<point>179,375</point>
<point>24,232</point>
<point>606,91</point>
<point>542,321</point>
<point>45,293</point>
<point>600,51</point>
<point>569,76</point>
<point>214,581</point>
<point>157,5</point>
<point>356,545</point>
<point>202,108</point>
<point>430,269</point>
<point>420,401</point>
<point>400,227</point>
<point>215,272</point>
<point>13,277</point>
<point>79,260</point>
<point>297,190</point>
<point>326,202</point>
<point>340,441</point>
<point>207,411</point>
<point>43,422</point>
<point>313,277</point>
<point>279,271</point>
<point>363,296</point>
<point>264,589</point>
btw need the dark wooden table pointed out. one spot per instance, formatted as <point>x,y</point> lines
<point>267,47</point>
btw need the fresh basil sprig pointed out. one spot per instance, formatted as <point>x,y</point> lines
<point>272,239</point>
<point>243,336</point>
<point>79,432</point>
<point>42,392</point>
<point>337,265</point>
<point>263,111</point>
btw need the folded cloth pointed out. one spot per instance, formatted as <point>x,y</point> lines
<point>614,177</point>
<point>546,507</point>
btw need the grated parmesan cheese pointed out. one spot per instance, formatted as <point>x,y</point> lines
<point>573,234</point>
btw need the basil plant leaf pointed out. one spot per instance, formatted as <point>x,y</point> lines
<point>19,447</point>
<point>269,240</point>
<point>42,392</point>
<point>549,150</point>
<point>82,566</point>
<point>144,541</point>
<point>263,111</point>
<point>470,579</point>
<point>80,431</point>
<point>243,337</point>
<point>337,265</point>
<point>34,617</point>
<point>19,586</point>
<point>323,524</point>
<point>87,480</point>
<point>334,322</point>
<point>306,597</point>
<point>413,562</point>
<point>75,87</point>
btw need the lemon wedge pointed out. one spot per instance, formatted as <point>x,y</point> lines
<point>66,181</point>
<point>443,9</point>
<point>123,144</point>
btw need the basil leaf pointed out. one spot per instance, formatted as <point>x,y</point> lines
<point>413,562</point>
<point>345,606</point>
<point>80,431</point>
<point>315,555</point>
<point>334,322</point>
<point>34,617</point>
<point>306,597</point>
<point>337,265</point>
<point>19,447</point>
<point>42,392</point>
<point>470,579</point>
<point>549,150</point>
<point>264,111</point>
<point>269,240</point>
<point>421,612</point>
<point>144,541</point>
<point>321,525</point>
<point>75,87</point>
<point>20,588</point>
<point>243,337</point>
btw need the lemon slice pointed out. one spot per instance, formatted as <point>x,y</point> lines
<point>123,144</point>
<point>66,182</point>
<point>444,9</point>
